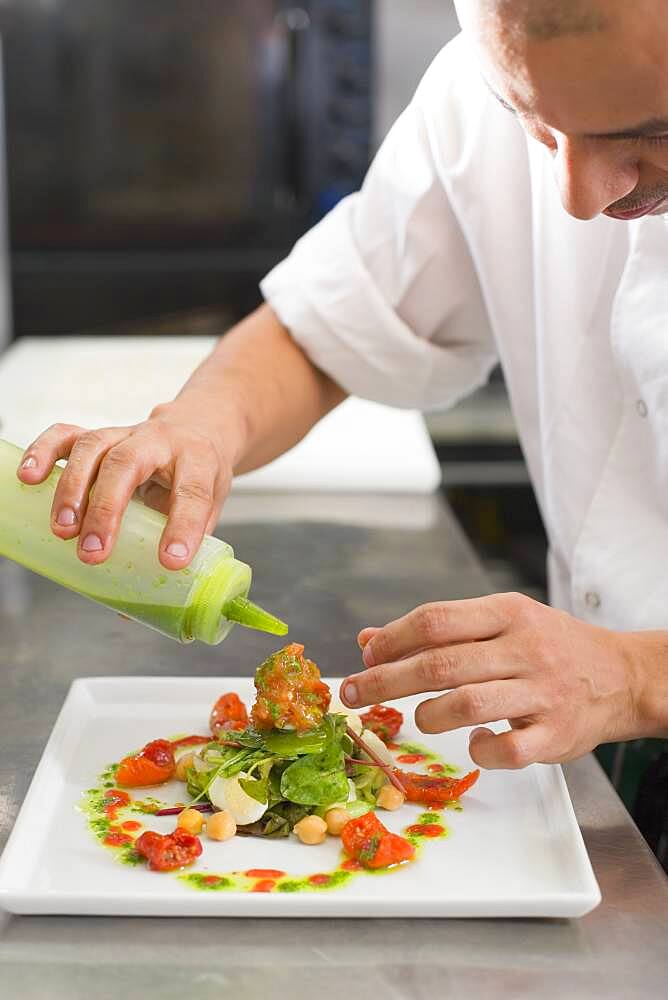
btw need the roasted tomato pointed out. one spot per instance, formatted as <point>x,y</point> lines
<point>430,790</point>
<point>166,852</point>
<point>151,766</point>
<point>228,713</point>
<point>290,694</point>
<point>383,721</point>
<point>372,844</point>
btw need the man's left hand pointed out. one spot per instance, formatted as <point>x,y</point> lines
<point>564,686</point>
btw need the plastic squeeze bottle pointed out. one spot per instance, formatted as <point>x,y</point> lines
<point>201,602</point>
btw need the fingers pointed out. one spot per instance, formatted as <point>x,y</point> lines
<point>510,750</point>
<point>476,704</point>
<point>430,670</point>
<point>124,467</point>
<point>155,496</point>
<point>72,493</point>
<point>365,635</point>
<point>191,508</point>
<point>435,625</point>
<point>40,457</point>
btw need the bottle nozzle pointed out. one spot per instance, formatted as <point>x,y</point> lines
<point>244,612</point>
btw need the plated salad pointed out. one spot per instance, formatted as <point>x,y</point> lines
<point>298,765</point>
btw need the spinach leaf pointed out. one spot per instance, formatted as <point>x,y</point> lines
<point>290,743</point>
<point>319,779</point>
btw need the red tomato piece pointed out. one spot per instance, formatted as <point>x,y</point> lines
<point>385,722</point>
<point>370,843</point>
<point>151,766</point>
<point>357,831</point>
<point>392,850</point>
<point>290,692</point>
<point>430,790</point>
<point>228,713</point>
<point>166,852</point>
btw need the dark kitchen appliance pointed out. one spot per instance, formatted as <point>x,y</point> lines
<point>162,156</point>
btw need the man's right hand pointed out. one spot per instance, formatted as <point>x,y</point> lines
<point>254,397</point>
<point>176,467</point>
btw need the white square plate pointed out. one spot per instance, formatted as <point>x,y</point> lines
<point>515,850</point>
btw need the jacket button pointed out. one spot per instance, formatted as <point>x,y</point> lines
<point>641,408</point>
<point>592,599</point>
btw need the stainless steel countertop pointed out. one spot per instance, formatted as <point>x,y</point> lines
<point>328,565</point>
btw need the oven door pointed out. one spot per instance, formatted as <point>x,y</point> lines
<point>165,155</point>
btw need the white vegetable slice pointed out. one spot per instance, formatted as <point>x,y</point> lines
<point>227,793</point>
<point>375,743</point>
<point>336,707</point>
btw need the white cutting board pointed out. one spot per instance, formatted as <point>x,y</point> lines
<point>101,381</point>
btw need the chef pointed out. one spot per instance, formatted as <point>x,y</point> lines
<point>516,213</point>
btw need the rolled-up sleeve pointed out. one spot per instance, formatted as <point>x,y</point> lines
<point>382,294</point>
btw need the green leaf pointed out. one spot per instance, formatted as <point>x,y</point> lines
<point>368,782</point>
<point>257,784</point>
<point>290,743</point>
<point>317,779</point>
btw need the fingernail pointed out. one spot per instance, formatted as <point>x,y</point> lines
<point>92,543</point>
<point>367,656</point>
<point>29,463</point>
<point>350,694</point>
<point>177,549</point>
<point>66,517</point>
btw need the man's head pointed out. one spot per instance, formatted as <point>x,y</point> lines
<point>589,80</point>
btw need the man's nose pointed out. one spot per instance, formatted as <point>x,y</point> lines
<point>591,177</point>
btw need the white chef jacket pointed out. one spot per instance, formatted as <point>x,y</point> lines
<point>456,254</point>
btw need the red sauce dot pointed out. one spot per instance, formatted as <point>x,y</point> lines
<point>351,865</point>
<point>211,880</point>
<point>264,885</point>
<point>264,873</point>
<point>436,768</point>
<point>411,758</point>
<point>114,799</point>
<point>426,829</point>
<point>115,838</point>
<point>319,879</point>
<point>131,825</point>
<point>192,741</point>
<point>394,746</point>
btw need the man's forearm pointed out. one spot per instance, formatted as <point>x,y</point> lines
<point>258,392</point>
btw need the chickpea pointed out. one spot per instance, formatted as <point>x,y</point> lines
<point>390,798</point>
<point>336,819</point>
<point>311,830</point>
<point>190,820</point>
<point>182,764</point>
<point>221,826</point>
